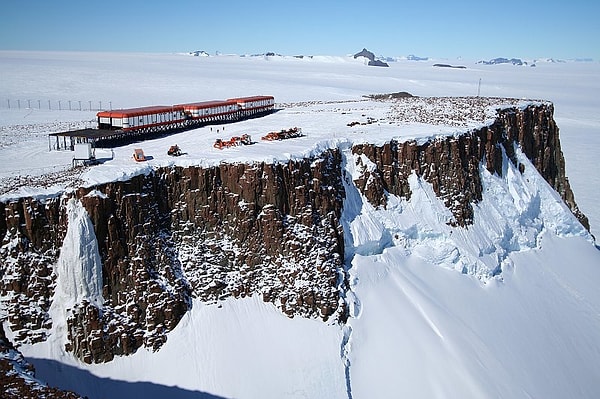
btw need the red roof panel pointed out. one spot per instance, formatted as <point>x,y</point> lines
<point>126,113</point>
<point>207,104</point>
<point>252,98</point>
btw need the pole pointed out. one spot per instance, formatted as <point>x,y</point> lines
<point>479,88</point>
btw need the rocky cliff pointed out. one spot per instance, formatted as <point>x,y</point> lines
<point>451,164</point>
<point>236,230</point>
<point>230,230</point>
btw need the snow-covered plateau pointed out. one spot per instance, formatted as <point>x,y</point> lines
<point>506,306</point>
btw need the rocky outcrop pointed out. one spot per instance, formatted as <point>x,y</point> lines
<point>451,164</point>
<point>238,230</point>
<point>502,60</point>
<point>32,232</point>
<point>371,57</point>
<point>232,230</point>
<point>263,229</point>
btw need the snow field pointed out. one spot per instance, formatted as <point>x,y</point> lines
<point>241,348</point>
<point>531,334</point>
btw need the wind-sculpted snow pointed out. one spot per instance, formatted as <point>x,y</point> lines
<point>515,210</point>
<point>440,332</point>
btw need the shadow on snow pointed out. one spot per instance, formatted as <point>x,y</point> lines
<point>86,384</point>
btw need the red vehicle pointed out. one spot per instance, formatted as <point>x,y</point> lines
<point>233,142</point>
<point>138,155</point>
<point>152,118</point>
<point>283,134</point>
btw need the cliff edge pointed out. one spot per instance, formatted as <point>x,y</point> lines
<point>235,230</point>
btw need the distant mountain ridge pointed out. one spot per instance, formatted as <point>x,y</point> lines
<point>501,60</point>
<point>382,60</point>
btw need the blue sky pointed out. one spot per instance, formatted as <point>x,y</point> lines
<point>470,29</point>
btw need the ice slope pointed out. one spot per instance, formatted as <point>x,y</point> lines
<point>428,332</point>
<point>519,319</point>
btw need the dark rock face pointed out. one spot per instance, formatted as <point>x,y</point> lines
<point>449,66</point>
<point>17,376</point>
<point>237,230</point>
<point>32,232</point>
<point>535,131</point>
<point>258,228</point>
<point>144,289</point>
<point>232,230</point>
<point>451,164</point>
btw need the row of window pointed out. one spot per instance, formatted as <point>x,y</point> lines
<point>258,103</point>
<point>152,119</point>
<point>214,110</point>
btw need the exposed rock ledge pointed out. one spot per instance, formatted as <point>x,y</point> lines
<point>237,230</point>
<point>451,164</point>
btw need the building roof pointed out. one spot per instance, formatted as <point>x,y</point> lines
<point>206,104</point>
<point>252,98</point>
<point>122,113</point>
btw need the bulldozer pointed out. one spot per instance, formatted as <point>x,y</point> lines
<point>174,151</point>
<point>244,139</point>
<point>283,134</point>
